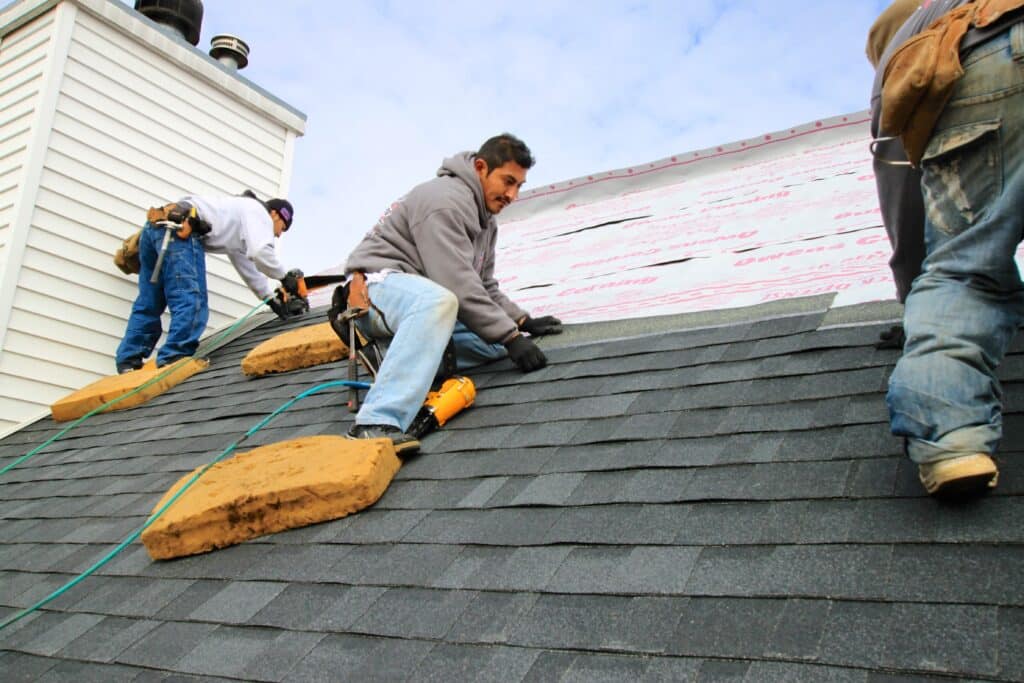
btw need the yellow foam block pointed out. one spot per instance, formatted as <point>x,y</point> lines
<point>301,348</point>
<point>77,404</point>
<point>272,488</point>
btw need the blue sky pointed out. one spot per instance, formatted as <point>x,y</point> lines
<point>390,88</point>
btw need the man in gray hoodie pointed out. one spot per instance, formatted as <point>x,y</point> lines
<point>429,268</point>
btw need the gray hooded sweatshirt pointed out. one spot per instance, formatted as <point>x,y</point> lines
<point>443,231</point>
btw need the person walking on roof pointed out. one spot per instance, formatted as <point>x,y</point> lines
<point>429,268</point>
<point>964,308</point>
<point>243,227</point>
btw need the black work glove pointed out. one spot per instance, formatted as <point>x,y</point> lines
<point>525,354</point>
<point>893,338</point>
<point>278,306</point>
<point>546,324</point>
<point>290,281</point>
<point>199,226</point>
<point>297,305</point>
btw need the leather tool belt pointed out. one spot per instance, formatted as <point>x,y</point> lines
<point>921,74</point>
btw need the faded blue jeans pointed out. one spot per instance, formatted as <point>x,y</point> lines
<point>965,307</point>
<point>419,319</point>
<point>180,287</point>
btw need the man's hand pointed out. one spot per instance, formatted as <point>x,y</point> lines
<point>291,282</point>
<point>525,354</point>
<point>546,324</point>
<point>278,306</point>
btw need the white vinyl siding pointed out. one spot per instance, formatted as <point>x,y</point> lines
<point>23,61</point>
<point>22,54</point>
<point>134,120</point>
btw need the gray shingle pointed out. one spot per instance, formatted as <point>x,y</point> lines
<point>349,606</point>
<point>491,617</point>
<point>597,668</point>
<point>730,570</point>
<point>360,658</point>
<point>785,672</point>
<point>314,562</point>
<point>249,653</point>
<point>46,633</point>
<point>23,668</point>
<point>726,627</point>
<point>549,666</point>
<point>723,671</point>
<point>1011,634</point>
<point>935,573</point>
<point>799,630</point>
<point>395,565</point>
<point>379,526</point>
<point>414,613</point>
<point>832,570</point>
<point>88,672</point>
<point>619,524</point>
<point>480,664</point>
<point>944,638</point>
<point>482,492</point>
<point>857,634</point>
<point>671,670</point>
<point>237,602</point>
<point>549,489</point>
<point>521,569</point>
<point>191,599</point>
<point>640,570</point>
<point>105,641</point>
<point>574,622</point>
<point>656,486</point>
<point>166,645</point>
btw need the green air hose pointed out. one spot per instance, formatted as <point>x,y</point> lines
<point>156,515</point>
<point>208,349</point>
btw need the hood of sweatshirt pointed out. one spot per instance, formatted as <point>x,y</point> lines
<point>461,166</point>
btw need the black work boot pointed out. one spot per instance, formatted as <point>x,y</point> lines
<point>129,365</point>
<point>404,443</point>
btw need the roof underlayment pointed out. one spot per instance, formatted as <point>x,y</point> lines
<point>793,213</point>
<point>707,493</point>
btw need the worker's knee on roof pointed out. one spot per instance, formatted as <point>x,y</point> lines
<point>447,306</point>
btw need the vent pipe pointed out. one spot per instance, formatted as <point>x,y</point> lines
<point>230,51</point>
<point>183,17</point>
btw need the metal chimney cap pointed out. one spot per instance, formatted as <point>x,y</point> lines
<point>229,50</point>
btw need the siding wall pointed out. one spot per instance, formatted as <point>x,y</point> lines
<point>24,54</point>
<point>130,129</point>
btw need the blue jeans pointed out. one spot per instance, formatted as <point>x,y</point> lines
<point>180,287</point>
<point>965,307</point>
<point>419,317</point>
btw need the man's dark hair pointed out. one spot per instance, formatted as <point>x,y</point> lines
<point>503,148</point>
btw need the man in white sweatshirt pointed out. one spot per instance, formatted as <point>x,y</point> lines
<point>243,228</point>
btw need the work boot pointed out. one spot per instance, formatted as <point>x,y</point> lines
<point>404,443</point>
<point>129,365</point>
<point>966,476</point>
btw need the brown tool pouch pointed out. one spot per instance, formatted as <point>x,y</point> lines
<point>921,74</point>
<point>126,257</point>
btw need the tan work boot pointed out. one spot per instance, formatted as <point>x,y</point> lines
<point>968,475</point>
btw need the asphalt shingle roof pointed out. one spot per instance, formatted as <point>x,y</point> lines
<point>715,504</point>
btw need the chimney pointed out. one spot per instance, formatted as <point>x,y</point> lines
<point>182,17</point>
<point>230,51</point>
